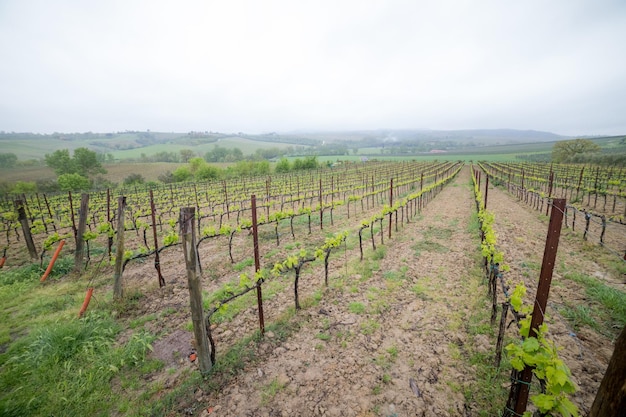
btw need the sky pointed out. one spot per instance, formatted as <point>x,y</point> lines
<point>282,66</point>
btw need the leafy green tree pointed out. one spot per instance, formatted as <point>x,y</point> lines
<point>207,172</point>
<point>181,174</point>
<point>23,187</point>
<point>195,164</point>
<point>566,150</point>
<point>282,166</point>
<point>134,179</point>
<point>84,162</point>
<point>8,160</point>
<point>60,161</point>
<point>167,177</point>
<point>297,164</point>
<point>186,155</point>
<point>73,182</point>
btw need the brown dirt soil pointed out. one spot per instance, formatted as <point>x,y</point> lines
<point>521,236</point>
<point>393,336</point>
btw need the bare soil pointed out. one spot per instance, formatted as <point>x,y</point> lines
<point>397,335</point>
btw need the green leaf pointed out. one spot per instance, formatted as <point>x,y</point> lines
<point>567,408</point>
<point>544,402</point>
<point>244,280</point>
<point>530,345</point>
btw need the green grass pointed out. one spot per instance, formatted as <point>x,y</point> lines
<point>356,308</point>
<point>68,367</point>
<point>609,305</point>
<point>246,263</point>
<point>429,246</point>
<point>269,391</point>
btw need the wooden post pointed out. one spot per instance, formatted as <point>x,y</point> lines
<point>69,193</point>
<point>257,264</point>
<point>550,191</point>
<point>157,260</point>
<point>119,249</point>
<point>611,398</point>
<point>23,219</point>
<point>390,204</point>
<point>80,232</point>
<point>321,207</point>
<point>541,299</point>
<point>110,239</point>
<point>188,234</point>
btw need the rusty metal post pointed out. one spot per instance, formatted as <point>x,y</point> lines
<point>257,264</point>
<point>486,189</point>
<point>541,299</point>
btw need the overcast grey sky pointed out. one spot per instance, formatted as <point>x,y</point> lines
<point>258,66</point>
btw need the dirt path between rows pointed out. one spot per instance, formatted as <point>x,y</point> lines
<point>521,236</point>
<point>391,343</point>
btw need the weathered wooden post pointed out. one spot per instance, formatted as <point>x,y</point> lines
<point>157,260</point>
<point>23,219</point>
<point>80,232</point>
<point>188,235</point>
<point>257,264</point>
<point>611,398</point>
<point>119,249</point>
<point>390,205</point>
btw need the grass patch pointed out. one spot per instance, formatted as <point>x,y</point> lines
<point>356,308</point>
<point>379,253</point>
<point>610,303</point>
<point>269,391</point>
<point>246,263</point>
<point>420,291</point>
<point>429,246</point>
<point>438,233</point>
<point>67,367</point>
<point>369,326</point>
<point>579,316</point>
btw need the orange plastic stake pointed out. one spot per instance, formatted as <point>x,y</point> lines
<point>83,308</point>
<point>52,261</point>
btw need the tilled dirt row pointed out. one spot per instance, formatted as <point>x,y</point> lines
<point>521,235</point>
<point>392,343</point>
<point>395,335</point>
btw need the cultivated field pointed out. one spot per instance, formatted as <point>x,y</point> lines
<point>402,326</point>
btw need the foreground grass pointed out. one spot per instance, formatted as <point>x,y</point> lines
<point>607,310</point>
<point>52,362</point>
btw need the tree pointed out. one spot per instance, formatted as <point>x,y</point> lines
<point>207,172</point>
<point>186,155</point>
<point>84,162</point>
<point>60,161</point>
<point>23,187</point>
<point>134,179</point>
<point>8,160</point>
<point>611,397</point>
<point>565,150</point>
<point>182,173</point>
<point>282,166</point>
<point>73,182</point>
